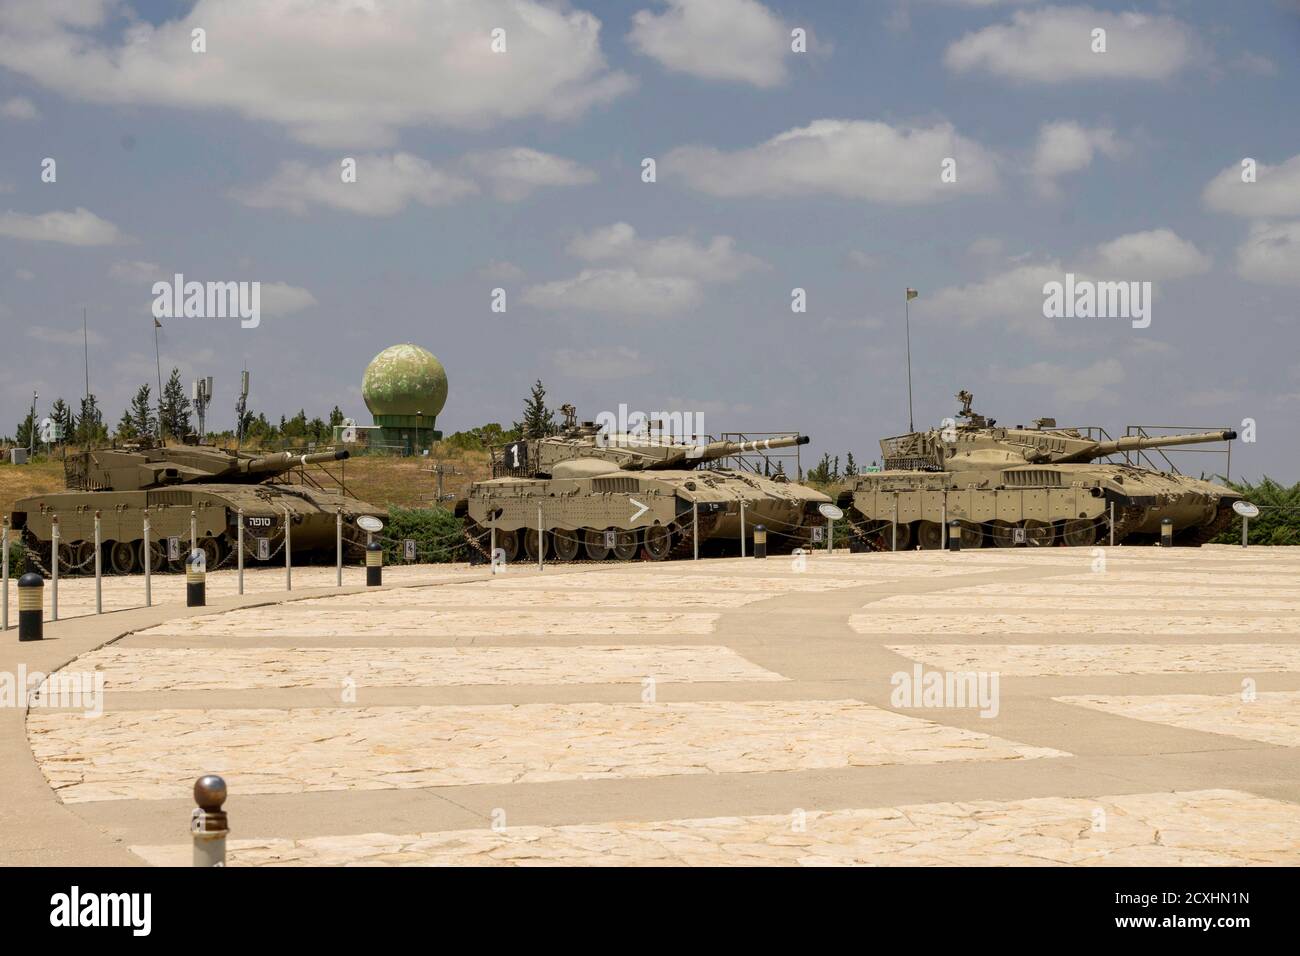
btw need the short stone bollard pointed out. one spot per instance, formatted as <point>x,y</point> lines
<point>31,607</point>
<point>760,541</point>
<point>1166,532</point>
<point>374,564</point>
<point>196,587</point>
<point>954,535</point>
<point>208,823</point>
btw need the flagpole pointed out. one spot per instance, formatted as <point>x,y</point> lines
<point>907,322</point>
<point>158,364</point>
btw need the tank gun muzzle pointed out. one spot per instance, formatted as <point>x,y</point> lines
<point>1143,442</point>
<point>714,450</point>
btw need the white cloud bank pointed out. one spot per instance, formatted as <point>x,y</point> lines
<point>737,40</point>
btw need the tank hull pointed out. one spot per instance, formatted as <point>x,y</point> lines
<point>216,511</point>
<point>1068,504</point>
<point>655,514</point>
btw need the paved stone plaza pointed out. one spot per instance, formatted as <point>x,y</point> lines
<point>1127,706</point>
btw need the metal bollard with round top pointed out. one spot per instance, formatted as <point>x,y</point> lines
<point>196,579</point>
<point>954,535</point>
<point>31,607</point>
<point>760,541</point>
<point>209,825</point>
<point>1166,532</point>
<point>374,550</point>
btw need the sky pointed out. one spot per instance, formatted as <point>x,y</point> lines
<point>974,150</point>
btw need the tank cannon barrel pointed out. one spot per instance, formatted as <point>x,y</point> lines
<point>725,449</point>
<point>1143,442</point>
<point>286,460</point>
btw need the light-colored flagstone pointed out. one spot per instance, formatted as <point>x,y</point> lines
<point>1272,717</point>
<point>1021,660</point>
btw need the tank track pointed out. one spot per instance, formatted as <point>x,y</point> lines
<point>683,547</point>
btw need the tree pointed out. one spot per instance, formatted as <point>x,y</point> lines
<point>90,424</point>
<point>61,415</point>
<point>850,466</point>
<point>125,430</point>
<point>26,428</point>
<point>175,407</point>
<point>822,472</point>
<point>538,419</point>
<point>336,417</point>
<point>140,414</point>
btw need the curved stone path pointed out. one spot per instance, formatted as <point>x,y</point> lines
<point>1108,706</point>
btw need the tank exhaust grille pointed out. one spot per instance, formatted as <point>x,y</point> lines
<point>614,485</point>
<point>1032,478</point>
<point>169,498</point>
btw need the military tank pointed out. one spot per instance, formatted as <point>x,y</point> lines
<point>1035,486</point>
<point>583,494</point>
<point>173,483</point>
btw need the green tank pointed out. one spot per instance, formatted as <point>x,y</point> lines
<point>1034,486</point>
<point>173,483</point>
<point>596,496</point>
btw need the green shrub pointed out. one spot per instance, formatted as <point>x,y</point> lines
<point>438,535</point>
<point>1279,513</point>
<point>17,558</point>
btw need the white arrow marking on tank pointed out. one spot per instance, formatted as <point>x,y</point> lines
<point>643,508</point>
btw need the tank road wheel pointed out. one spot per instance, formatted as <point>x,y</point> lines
<point>530,543</point>
<point>157,555</point>
<point>904,536</point>
<point>658,542</point>
<point>625,545</point>
<point>123,557</point>
<point>1080,533</point>
<point>1039,534</point>
<point>999,534</point>
<point>508,544</point>
<point>593,542</point>
<point>972,535</point>
<point>566,544</point>
<point>929,535</point>
<point>83,556</point>
<point>212,552</point>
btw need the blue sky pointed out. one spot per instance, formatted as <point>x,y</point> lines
<point>522,170</point>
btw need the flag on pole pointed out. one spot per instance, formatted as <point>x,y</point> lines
<point>912,294</point>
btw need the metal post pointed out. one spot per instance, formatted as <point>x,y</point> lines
<point>4,559</point>
<point>1112,524</point>
<point>148,563</point>
<point>943,524</point>
<point>374,563</point>
<point>54,571</point>
<point>239,547</point>
<point>1245,531</point>
<point>31,607</point>
<point>194,531</point>
<point>492,546</point>
<point>695,529</point>
<point>893,546</point>
<point>209,825</point>
<point>541,539</point>
<point>288,550</point>
<point>742,529</point>
<point>830,535</point>
<point>99,569</point>
<point>338,548</point>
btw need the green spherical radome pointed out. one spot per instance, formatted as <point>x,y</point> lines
<point>405,380</point>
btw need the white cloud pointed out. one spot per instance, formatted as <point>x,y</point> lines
<point>1271,253</point>
<point>1211,397</point>
<point>514,173</point>
<point>623,291</point>
<point>349,74</point>
<point>1150,256</point>
<point>1275,192</point>
<point>19,108</point>
<point>1255,63</point>
<point>66,337</point>
<point>279,298</point>
<point>1054,45</point>
<point>602,363</point>
<point>385,185</point>
<point>81,227</point>
<point>135,271</point>
<point>857,159</point>
<point>864,261</point>
<point>500,270</point>
<point>1067,147</point>
<point>1013,297</point>
<point>739,40</point>
<point>719,261</point>
<point>1071,386</point>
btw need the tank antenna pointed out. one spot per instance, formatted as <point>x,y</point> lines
<point>907,321</point>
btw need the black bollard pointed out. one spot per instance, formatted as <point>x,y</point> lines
<point>196,579</point>
<point>954,535</point>
<point>374,564</point>
<point>760,541</point>
<point>1166,532</point>
<point>31,607</point>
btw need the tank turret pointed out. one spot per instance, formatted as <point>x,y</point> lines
<point>139,469</point>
